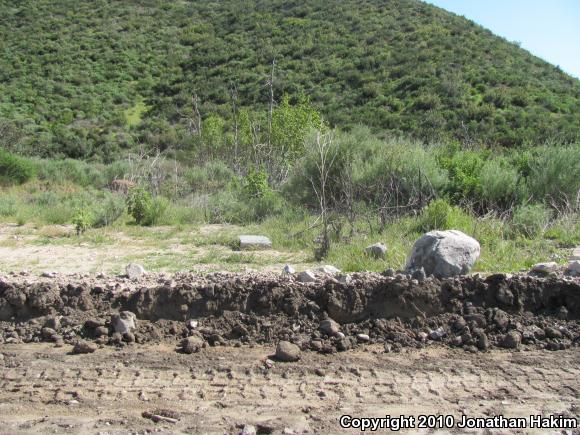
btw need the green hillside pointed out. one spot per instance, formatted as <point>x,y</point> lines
<point>88,79</point>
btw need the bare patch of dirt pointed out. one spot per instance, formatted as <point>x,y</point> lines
<point>219,390</point>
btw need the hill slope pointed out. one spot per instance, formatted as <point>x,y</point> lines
<point>89,78</point>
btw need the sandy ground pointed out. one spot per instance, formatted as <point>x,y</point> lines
<point>48,390</point>
<point>55,248</point>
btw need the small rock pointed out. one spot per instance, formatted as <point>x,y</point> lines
<point>437,334</point>
<point>419,275</point>
<point>123,322</point>
<point>255,242</point>
<point>544,267</point>
<point>378,250</point>
<point>552,333</point>
<point>363,338</point>
<point>329,327</point>
<point>129,337</point>
<point>390,272</point>
<point>269,363</point>
<point>340,335</point>
<point>101,331</point>
<point>49,274</point>
<point>320,372</point>
<point>288,270</point>
<point>306,276</point>
<point>48,333</point>
<point>134,271</point>
<point>344,279</point>
<point>192,323</point>
<point>84,347</point>
<point>286,351</point>
<point>482,341</point>
<point>328,270</point>
<point>248,430</point>
<point>478,319</point>
<point>192,344</point>
<point>422,336</point>
<point>573,267</point>
<point>94,323</point>
<point>53,322</point>
<point>512,340</point>
<point>563,313</point>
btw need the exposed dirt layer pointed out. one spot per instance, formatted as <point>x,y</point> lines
<point>473,312</point>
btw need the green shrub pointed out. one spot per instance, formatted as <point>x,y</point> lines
<point>256,183</point>
<point>531,220</point>
<point>156,210</point>
<point>440,215</point>
<point>498,184</point>
<point>82,220</point>
<point>554,176</point>
<point>7,206</point>
<point>464,174</point>
<point>14,169</point>
<point>109,211</point>
<point>139,204</point>
<point>58,214</point>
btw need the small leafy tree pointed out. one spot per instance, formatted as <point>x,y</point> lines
<point>82,220</point>
<point>256,183</point>
<point>139,202</point>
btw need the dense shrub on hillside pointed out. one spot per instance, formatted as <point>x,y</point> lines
<point>402,67</point>
<point>14,169</point>
<point>554,176</point>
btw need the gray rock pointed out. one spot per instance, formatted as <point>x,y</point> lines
<point>134,271</point>
<point>390,272</point>
<point>553,332</point>
<point>49,274</point>
<point>192,323</point>
<point>444,253</point>
<point>512,340</point>
<point>101,331</point>
<point>306,276</point>
<point>575,254</point>
<point>255,242</point>
<point>378,250</point>
<point>419,275</point>
<point>286,351</point>
<point>248,430</point>
<point>288,269</point>
<point>544,267</point>
<point>363,338</point>
<point>437,334</point>
<point>124,321</point>
<point>53,322</point>
<point>328,270</point>
<point>192,344</point>
<point>344,279</point>
<point>329,327</point>
<point>563,313</point>
<point>84,347</point>
<point>573,268</point>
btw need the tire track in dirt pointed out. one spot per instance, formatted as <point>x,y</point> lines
<point>44,389</point>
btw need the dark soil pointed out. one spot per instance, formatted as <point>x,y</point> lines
<point>473,312</point>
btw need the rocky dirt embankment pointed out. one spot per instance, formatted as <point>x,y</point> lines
<point>329,315</point>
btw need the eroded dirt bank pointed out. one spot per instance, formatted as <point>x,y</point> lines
<point>474,313</point>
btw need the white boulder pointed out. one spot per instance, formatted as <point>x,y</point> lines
<point>444,253</point>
